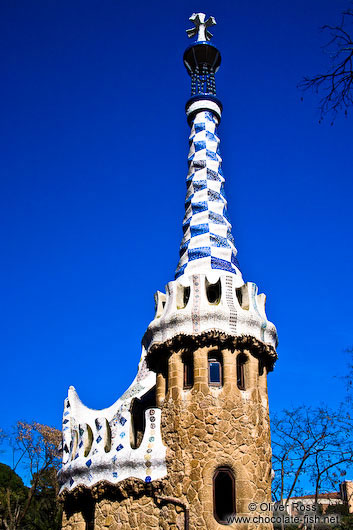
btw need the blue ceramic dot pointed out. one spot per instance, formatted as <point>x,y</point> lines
<point>148,479</point>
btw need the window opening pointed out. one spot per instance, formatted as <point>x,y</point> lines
<point>241,361</point>
<point>183,295</point>
<point>88,440</point>
<point>213,292</point>
<point>214,370</point>
<point>188,372</point>
<point>108,437</point>
<point>137,411</point>
<point>223,495</point>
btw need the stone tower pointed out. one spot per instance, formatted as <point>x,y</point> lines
<point>187,446</point>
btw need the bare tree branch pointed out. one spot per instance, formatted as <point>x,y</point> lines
<point>336,85</point>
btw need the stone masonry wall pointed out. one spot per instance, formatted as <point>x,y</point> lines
<point>206,428</point>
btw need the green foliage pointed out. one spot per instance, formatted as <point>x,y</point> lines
<point>44,512</point>
<point>8,478</point>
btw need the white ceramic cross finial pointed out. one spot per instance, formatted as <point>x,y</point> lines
<point>201,27</point>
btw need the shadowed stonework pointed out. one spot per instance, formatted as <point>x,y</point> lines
<point>187,446</point>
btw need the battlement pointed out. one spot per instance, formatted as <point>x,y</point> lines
<point>208,303</point>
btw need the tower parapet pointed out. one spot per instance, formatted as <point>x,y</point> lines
<point>200,306</point>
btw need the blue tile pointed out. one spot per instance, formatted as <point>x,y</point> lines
<point>200,145</point>
<point>212,175</point>
<point>216,218</point>
<point>199,207</point>
<point>211,155</point>
<point>180,271</point>
<point>199,127</point>
<point>219,241</point>
<point>217,263</point>
<point>197,230</point>
<point>201,252</point>
<point>213,195</point>
<point>200,185</point>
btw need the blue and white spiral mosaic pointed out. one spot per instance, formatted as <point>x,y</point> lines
<point>208,242</point>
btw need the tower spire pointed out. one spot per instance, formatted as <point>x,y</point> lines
<point>208,244</point>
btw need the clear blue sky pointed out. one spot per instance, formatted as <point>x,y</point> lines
<point>94,144</point>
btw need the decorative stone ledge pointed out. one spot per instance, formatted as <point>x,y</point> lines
<point>161,351</point>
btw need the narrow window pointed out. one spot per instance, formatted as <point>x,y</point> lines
<point>182,296</point>
<point>261,367</point>
<point>87,440</point>
<point>243,297</point>
<point>73,445</point>
<point>107,437</point>
<point>88,510</point>
<point>186,296</point>
<point>137,410</point>
<point>239,294</point>
<point>214,370</point>
<point>223,495</point>
<point>188,372</point>
<point>241,361</point>
<point>166,378</point>
<point>213,292</point>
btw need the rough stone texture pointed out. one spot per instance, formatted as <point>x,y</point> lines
<point>204,428</point>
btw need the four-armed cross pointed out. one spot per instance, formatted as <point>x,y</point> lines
<point>201,27</point>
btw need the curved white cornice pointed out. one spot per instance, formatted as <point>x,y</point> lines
<point>238,311</point>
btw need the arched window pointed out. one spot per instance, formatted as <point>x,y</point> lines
<point>223,495</point>
<point>241,362</point>
<point>182,296</point>
<point>138,408</point>
<point>188,371</point>
<point>215,375</point>
<point>213,292</point>
<point>88,509</point>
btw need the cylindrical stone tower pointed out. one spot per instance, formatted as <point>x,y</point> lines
<point>187,446</point>
<point>210,343</point>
